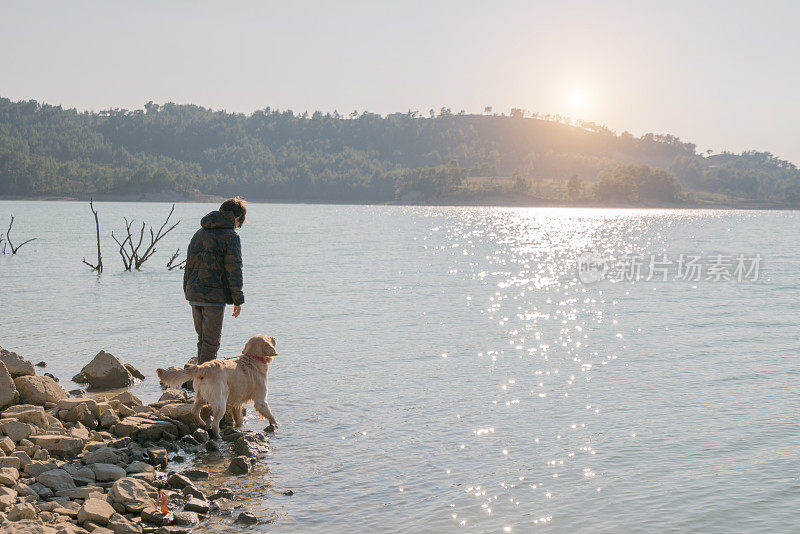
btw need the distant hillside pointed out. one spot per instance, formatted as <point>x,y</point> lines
<point>188,150</point>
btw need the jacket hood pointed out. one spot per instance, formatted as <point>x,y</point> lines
<point>218,219</point>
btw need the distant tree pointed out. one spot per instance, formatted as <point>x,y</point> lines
<point>517,113</point>
<point>519,183</point>
<point>487,110</point>
<point>574,187</point>
<point>637,183</point>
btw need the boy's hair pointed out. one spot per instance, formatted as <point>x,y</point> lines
<point>238,206</point>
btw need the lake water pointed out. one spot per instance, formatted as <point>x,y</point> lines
<point>445,370</point>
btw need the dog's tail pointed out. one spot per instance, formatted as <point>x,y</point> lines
<point>174,377</point>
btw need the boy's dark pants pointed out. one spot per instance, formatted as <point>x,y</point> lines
<point>208,324</point>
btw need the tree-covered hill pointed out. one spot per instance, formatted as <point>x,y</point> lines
<point>281,155</point>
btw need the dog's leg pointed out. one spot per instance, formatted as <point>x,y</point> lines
<point>238,416</point>
<point>198,406</point>
<point>262,407</point>
<point>217,413</point>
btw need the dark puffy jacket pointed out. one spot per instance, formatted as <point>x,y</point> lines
<point>213,271</point>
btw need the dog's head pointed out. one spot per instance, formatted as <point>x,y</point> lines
<point>261,346</point>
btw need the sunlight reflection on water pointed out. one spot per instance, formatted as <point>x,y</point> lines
<point>444,368</point>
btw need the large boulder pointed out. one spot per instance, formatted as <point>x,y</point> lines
<point>16,430</point>
<point>8,391</point>
<point>107,472</point>
<point>119,524</point>
<point>132,493</point>
<point>59,446</point>
<point>143,430</point>
<point>181,412</point>
<point>95,510</point>
<point>56,480</point>
<point>105,371</point>
<point>16,364</point>
<point>39,390</point>
<point>27,413</point>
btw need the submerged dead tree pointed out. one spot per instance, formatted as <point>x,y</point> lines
<point>8,239</point>
<point>171,263</point>
<point>132,258</point>
<point>99,266</point>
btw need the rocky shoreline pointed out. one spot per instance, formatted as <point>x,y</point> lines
<point>72,463</point>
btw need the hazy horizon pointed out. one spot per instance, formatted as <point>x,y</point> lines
<point>718,75</point>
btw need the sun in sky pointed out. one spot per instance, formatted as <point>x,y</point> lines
<point>578,100</point>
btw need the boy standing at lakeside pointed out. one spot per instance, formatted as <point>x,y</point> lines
<point>213,274</point>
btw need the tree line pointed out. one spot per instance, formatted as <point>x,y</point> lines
<point>361,157</point>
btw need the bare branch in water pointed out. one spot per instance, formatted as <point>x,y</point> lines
<point>171,263</point>
<point>131,257</point>
<point>99,266</point>
<point>8,239</point>
<point>127,260</point>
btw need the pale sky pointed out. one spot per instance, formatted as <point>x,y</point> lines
<point>722,74</point>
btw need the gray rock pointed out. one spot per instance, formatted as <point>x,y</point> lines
<point>69,404</point>
<point>139,467</point>
<point>105,455</point>
<point>178,481</point>
<point>8,391</point>
<point>22,511</point>
<point>81,493</point>
<point>109,418</point>
<point>157,456</point>
<point>239,466</point>
<point>8,476</point>
<point>134,372</point>
<point>196,505</point>
<point>59,446</point>
<point>56,480</point>
<point>16,430</point>
<point>105,371</point>
<point>39,390</point>
<point>222,493</point>
<point>24,490</point>
<point>172,395</point>
<point>41,490</point>
<point>23,458</point>
<point>191,491</point>
<point>95,510</point>
<point>28,413</point>
<point>120,525</point>
<point>7,445</point>
<point>246,518</point>
<point>128,399</point>
<point>10,461</point>
<point>82,476</point>
<point>107,472</point>
<point>250,445</point>
<point>81,413</point>
<point>153,516</point>
<point>16,364</point>
<point>36,467</point>
<point>143,429</point>
<point>185,519</point>
<point>196,474</point>
<point>133,493</point>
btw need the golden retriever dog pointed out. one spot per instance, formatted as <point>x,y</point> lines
<point>228,384</point>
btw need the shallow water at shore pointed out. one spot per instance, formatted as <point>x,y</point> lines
<point>442,369</point>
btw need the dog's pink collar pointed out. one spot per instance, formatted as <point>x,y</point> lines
<point>259,358</point>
